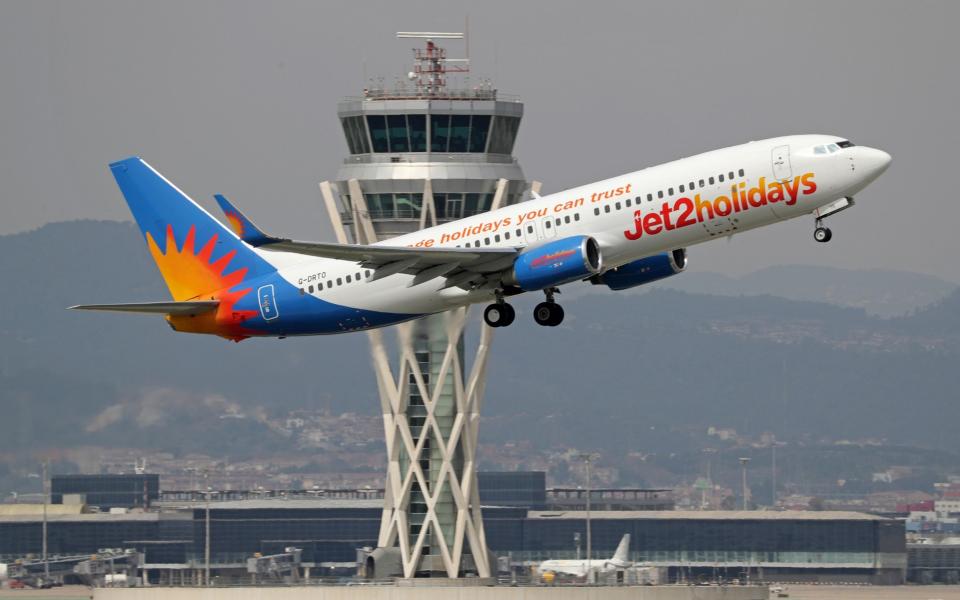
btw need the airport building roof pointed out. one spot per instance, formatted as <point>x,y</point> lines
<point>298,503</point>
<point>92,517</point>
<point>9,510</point>
<point>710,515</point>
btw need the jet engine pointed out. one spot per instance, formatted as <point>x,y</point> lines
<point>555,263</point>
<point>644,270</point>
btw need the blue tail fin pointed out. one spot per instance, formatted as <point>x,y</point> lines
<point>195,253</point>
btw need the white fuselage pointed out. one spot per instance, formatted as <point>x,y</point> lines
<point>632,216</point>
<point>577,568</point>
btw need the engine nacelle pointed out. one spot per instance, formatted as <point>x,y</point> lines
<point>555,263</point>
<point>644,270</point>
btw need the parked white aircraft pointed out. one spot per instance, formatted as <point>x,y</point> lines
<point>620,232</point>
<point>580,568</point>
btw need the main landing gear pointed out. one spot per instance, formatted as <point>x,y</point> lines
<point>549,313</point>
<point>501,314</point>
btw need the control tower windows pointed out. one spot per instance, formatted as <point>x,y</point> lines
<point>394,206</point>
<point>470,206</point>
<point>378,133</point>
<point>397,125</point>
<point>477,203</point>
<point>479,129</point>
<point>408,205</point>
<point>380,206</point>
<point>449,206</point>
<point>459,132</point>
<point>503,135</point>
<point>418,132</point>
<point>409,133</point>
<point>439,132</point>
<point>457,206</point>
<point>356,135</point>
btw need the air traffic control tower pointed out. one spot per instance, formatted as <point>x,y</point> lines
<point>421,154</point>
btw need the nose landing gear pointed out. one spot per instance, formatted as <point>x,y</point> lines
<point>822,234</point>
<point>549,313</point>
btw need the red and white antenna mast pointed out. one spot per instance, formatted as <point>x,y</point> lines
<point>431,64</point>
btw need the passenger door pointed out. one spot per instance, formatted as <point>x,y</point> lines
<point>530,232</point>
<point>780,157</point>
<point>548,228</point>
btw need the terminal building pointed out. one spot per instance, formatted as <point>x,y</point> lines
<point>106,491</point>
<point>330,527</point>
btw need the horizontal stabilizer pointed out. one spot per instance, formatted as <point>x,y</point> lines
<point>197,307</point>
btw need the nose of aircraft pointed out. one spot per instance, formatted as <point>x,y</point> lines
<point>872,161</point>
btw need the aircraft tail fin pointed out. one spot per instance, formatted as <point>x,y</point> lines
<point>622,555</point>
<point>195,253</point>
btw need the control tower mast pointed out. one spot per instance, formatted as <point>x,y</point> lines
<point>421,154</point>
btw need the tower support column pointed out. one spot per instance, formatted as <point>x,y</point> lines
<point>431,416</point>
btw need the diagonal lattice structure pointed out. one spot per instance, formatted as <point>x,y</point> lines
<point>432,451</point>
<point>431,415</point>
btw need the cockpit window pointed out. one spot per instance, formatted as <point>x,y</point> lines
<point>832,148</point>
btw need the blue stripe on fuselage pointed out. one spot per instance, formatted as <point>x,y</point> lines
<point>305,314</point>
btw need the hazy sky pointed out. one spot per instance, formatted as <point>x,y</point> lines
<point>240,98</point>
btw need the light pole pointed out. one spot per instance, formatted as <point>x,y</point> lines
<point>704,495</point>
<point>206,549</point>
<point>743,474</point>
<point>46,562</point>
<point>773,473</point>
<point>588,458</point>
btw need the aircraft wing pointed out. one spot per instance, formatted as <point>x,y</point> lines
<point>464,267</point>
<point>159,308</point>
<point>377,256</point>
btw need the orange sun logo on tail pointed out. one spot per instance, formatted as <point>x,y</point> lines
<point>195,276</point>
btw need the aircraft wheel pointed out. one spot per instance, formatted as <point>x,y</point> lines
<point>822,234</point>
<point>499,314</point>
<point>557,315</point>
<point>511,314</point>
<point>548,314</point>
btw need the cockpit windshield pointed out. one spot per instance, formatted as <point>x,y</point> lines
<point>832,148</point>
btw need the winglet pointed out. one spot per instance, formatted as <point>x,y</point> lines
<point>241,225</point>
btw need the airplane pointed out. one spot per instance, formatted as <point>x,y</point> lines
<point>580,568</point>
<point>622,232</point>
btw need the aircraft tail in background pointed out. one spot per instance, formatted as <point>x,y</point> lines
<point>622,555</point>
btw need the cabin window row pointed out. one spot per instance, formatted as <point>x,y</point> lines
<point>682,188</point>
<point>338,282</point>
<point>518,233</point>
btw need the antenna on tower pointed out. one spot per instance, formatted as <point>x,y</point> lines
<point>431,64</point>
